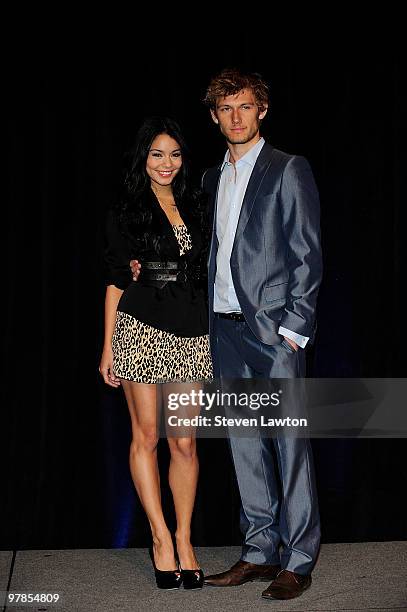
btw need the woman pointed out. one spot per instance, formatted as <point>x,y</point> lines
<point>156,328</point>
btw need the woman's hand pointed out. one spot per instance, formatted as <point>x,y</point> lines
<point>106,368</point>
<point>135,266</point>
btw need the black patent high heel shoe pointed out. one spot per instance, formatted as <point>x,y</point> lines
<point>166,579</point>
<point>192,579</point>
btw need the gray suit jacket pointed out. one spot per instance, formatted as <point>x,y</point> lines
<point>276,259</point>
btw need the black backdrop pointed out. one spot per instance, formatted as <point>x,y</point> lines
<point>65,436</point>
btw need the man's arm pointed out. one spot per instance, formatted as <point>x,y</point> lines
<point>300,220</point>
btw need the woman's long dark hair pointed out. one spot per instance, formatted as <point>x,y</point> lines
<point>134,207</point>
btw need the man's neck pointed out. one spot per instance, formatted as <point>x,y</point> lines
<point>237,151</point>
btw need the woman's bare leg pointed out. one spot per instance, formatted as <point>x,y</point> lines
<point>142,402</point>
<point>183,476</point>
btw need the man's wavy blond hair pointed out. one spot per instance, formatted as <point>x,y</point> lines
<point>231,81</point>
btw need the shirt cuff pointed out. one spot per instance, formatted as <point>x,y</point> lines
<point>297,338</point>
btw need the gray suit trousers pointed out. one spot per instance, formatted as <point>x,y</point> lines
<point>279,512</point>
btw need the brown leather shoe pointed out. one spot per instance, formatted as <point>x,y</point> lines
<point>287,585</point>
<point>242,572</point>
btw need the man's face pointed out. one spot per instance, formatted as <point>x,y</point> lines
<point>238,117</point>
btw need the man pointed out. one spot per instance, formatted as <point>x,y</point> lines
<point>264,274</point>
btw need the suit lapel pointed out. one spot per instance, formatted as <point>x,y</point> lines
<point>261,166</point>
<point>263,162</point>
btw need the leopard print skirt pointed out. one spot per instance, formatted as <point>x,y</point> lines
<point>144,354</point>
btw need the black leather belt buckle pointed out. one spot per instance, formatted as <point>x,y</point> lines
<point>160,265</point>
<point>231,316</point>
<point>165,276</point>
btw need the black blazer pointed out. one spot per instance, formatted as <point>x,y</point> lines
<point>153,242</point>
<point>178,306</point>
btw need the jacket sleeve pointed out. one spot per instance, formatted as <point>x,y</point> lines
<point>116,255</point>
<point>301,227</point>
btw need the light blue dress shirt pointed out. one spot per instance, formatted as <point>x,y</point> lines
<point>232,188</point>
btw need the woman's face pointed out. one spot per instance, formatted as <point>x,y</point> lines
<point>164,160</point>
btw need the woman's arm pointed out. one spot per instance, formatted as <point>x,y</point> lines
<point>117,275</point>
<point>113,295</point>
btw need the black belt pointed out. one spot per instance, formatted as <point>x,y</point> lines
<point>163,265</point>
<point>232,316</point>
<point>167,271</point>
